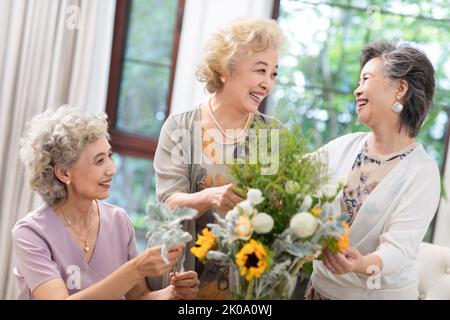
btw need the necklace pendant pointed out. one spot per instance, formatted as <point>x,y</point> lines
<point>86,249</point>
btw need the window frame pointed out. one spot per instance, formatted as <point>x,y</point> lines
<point>125,143</point>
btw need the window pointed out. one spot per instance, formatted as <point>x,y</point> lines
<point>143,61</point>
<point>320,69</point>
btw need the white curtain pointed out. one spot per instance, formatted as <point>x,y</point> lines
<point>51,53</point>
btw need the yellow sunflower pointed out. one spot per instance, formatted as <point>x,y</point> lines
<point>205,242</point>
<point>252,260</point>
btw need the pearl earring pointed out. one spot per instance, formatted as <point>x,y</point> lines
<point>68,182</point>
<point>397,107</point>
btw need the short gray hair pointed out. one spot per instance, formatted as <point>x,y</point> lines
<point>53,138</point>
<point>404,62</point>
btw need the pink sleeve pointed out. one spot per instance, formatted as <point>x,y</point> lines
<point>132,245</point>
<point>34,259</point>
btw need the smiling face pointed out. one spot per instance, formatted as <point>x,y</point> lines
<point>91,176</point>
<point>375,96</point>
<point>251,80</point>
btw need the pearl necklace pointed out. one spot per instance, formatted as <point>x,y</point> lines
<point>244,130</point>
<point>86,240</point>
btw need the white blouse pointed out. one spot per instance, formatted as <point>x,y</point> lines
<point>391,223</point>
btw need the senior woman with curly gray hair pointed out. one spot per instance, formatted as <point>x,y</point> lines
<point>74,246</point>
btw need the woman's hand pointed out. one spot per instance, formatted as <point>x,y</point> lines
<point>352,261</point>
<point>223,198</point>
<point>150,263</point>
<point>185,285</point>
<point>342,263</point>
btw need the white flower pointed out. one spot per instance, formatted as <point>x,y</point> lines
<point>262,223</point>
<point>342,181</point>
<point>255,196</point>
<point>306,203</point>
<point>244,228</point>
<point>291,187</point>
<point>246,207</point>
<point>232,213</point>
<point>303,224</point>
<point>328,191</point>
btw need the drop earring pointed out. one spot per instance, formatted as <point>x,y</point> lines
<point>397,107</point>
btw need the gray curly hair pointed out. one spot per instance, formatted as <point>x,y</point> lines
<point>53,138</point>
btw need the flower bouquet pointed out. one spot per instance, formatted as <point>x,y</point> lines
<point>285,222</point>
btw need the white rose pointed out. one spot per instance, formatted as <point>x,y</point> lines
<point>342,181</point>
<point>329,191</point>
<point>262,223</point>
<point>303,224</point>
<point>306,203</point>
<point>244,228</point>
<point>291,187</point>
<point>255,196</point>
<point>246,207</point>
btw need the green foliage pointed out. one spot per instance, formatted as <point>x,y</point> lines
<point>300,174</point>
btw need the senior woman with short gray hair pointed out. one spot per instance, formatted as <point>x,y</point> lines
<point>393,185</point>
<point>75,246</point>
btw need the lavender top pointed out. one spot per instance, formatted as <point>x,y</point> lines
<point>45,250</point>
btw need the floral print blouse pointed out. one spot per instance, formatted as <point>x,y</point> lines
<point>367,172</point>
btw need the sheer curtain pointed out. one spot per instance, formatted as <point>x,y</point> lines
<point>51,53</point>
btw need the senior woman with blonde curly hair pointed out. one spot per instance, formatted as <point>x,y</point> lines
<point>74,246</point>
<point>239,69</point>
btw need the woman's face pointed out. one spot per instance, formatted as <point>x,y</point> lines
<point>92,174</point>
<point>375,96</point>
<point>251,80</point>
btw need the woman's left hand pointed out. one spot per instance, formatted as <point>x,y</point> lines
<point>185,285</point>
<point>342,263</point>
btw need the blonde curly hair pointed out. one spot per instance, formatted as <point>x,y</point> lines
<point>226,46</point>
<point>53,138</point>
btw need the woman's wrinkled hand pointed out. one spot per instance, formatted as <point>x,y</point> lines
<point>150,263</point>
<point>223,198</point>
<point>342,263</point>
<point>185,285</point>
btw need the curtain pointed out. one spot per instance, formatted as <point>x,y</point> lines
<point>51,53</point>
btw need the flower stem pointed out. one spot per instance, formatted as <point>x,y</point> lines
<point>299,264</point>
<point>250,286</point>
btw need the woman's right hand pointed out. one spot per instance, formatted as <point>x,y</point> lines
<point>223,198</point>
<point>150,263</point>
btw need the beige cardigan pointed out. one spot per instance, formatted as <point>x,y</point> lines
<point>178,168</point>
<point>391,223</point>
